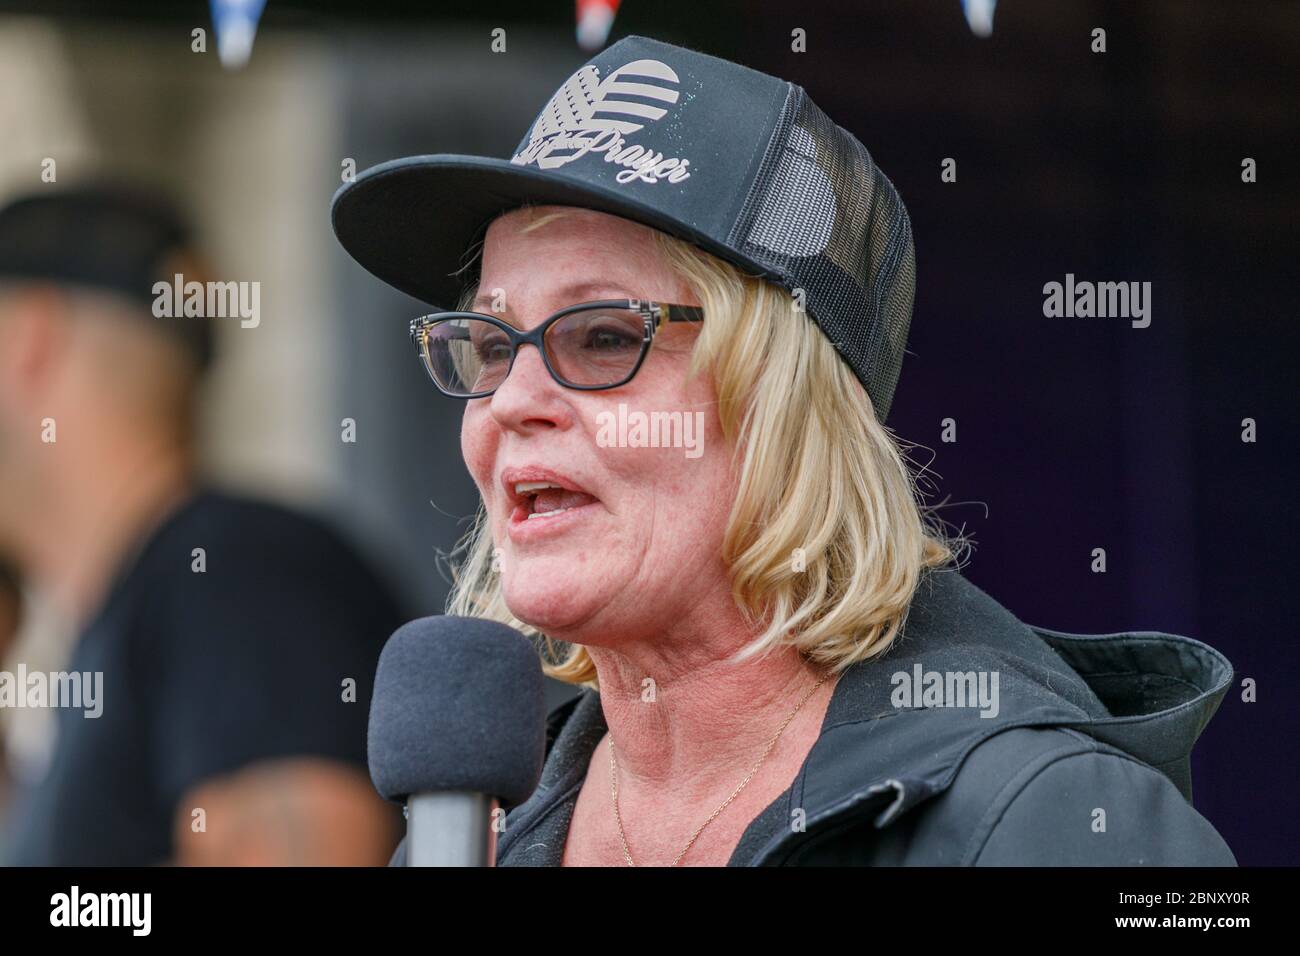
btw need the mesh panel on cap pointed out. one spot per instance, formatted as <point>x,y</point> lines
<point>822,217</point>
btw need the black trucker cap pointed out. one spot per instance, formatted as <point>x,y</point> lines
<point>740,163</point>
<point>107,236</point>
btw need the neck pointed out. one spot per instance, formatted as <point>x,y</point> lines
<point>706,720</point>
<point>100,511</point>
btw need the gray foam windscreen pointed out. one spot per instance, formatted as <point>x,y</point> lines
<point>458,705</point>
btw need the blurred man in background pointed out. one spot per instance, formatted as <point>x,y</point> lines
<point>235,641</point>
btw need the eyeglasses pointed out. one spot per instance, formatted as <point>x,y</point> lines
<point>589,346</point>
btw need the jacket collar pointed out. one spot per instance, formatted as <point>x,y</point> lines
<point>1147,693</point>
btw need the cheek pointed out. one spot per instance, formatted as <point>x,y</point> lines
<point>684,495</point>
<point>478,447</point>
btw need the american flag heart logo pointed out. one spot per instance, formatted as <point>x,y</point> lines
<point>588,107</point>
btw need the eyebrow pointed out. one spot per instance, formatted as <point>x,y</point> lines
<point>571,294</point>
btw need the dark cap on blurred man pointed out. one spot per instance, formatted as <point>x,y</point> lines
<point>109,237</point>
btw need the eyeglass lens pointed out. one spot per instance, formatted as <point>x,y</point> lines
<point>592,347</point>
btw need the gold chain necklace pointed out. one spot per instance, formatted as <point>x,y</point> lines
<point>613,781</point>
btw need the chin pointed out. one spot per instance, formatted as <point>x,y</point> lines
<point>551,603</point>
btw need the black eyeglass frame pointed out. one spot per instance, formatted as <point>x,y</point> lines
<point>653,315</point>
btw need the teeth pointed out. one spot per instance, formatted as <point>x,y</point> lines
<point>547,514</point>
<point>523,487</point>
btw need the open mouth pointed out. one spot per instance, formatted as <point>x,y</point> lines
<point>542,500</point>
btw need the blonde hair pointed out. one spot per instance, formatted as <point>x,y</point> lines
<point>827,539</point>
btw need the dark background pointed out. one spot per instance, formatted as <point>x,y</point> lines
<point>1073,434</point>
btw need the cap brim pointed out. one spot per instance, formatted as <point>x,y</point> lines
<point>411,221</point>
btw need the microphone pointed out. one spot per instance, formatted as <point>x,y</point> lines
<point>457,726</point>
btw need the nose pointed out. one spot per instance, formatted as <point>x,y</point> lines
<point>529,398</point>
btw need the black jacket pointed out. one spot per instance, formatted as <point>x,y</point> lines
<point>1085,763</point>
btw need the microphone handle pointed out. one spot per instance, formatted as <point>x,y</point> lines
<point>450,828</point>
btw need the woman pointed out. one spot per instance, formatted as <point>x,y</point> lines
<point>677,341</point>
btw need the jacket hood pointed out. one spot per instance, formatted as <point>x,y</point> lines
<point>1160,691</point>
<point>1147,693</point>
